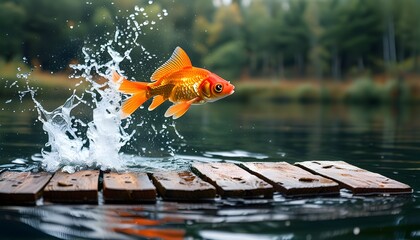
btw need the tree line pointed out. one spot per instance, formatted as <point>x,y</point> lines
<point>238,38</point>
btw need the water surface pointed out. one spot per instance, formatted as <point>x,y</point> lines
<point>383,139</point>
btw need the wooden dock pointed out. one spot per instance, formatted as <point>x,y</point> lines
<point>204,182</point>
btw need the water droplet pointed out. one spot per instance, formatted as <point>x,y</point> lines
<point>19,161</point>
<point>356,231</point>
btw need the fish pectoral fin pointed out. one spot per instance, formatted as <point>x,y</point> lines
<point>177,110</point>
<point>158,100</point>
<point>132,103</point>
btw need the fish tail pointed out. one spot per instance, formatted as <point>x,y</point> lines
<point>138,90</point>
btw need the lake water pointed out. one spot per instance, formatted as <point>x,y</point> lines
<point>382,139</point>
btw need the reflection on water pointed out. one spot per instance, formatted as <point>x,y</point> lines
<point>225,219</point>
<point>383,139</point>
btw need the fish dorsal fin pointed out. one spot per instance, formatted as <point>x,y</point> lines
<point>178,61</point>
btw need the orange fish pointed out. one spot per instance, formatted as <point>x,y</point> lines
<point>177,81</point>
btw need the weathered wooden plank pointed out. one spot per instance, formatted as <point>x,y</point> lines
<point>128,187</point>
<point>184,186</point>
<point>232,181</point>
<point>359,181</point>
<point>78,187</point>
<point>22,187</point>
<point>291,180</point>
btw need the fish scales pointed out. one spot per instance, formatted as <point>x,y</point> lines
<point>182,86</point>
<point>184,92</point>
<point>164,90</point>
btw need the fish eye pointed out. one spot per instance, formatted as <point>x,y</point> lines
<point>218,88</point>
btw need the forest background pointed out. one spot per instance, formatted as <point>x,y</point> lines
<point>319,50</point>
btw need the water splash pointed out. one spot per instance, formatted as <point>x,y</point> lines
<point>76,142</point>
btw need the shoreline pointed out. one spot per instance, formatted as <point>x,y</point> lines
<point>378,89</point>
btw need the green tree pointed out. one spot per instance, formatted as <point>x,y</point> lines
<point>226,26</point>
<point>317,53</point>
<point>408,32</point>
<point>258,39</point>
<point>225,41</point>
<point>12,19</point>
<point>292,36</point>
<point>48,31</point>
<point>352,35</point>
<point>205,11</point>
<point>227,60</point>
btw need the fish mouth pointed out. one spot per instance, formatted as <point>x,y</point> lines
<point>233,89</point>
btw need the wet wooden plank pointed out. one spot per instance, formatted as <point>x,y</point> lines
<point>231,180</point>
<point>78,187</point>
<point>184,186</point>
<point>291,180</point>
<point>359,181</point>
<point>128,187</point>
<point>22,187</point>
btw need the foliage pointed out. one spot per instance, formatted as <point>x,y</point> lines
<point>12,18</point>
<point>396,91</point>
<point>227,60</point>
<point>306,93</point>
<point>365,90</point>
<point>257,38</point>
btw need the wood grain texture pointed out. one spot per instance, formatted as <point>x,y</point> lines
<point>231,180</point>
<point>184,186</point>
<point>78,187</point>
<point>359,181</point>
<point>291,180</point>
<point>128,187</point>
<point>22,187</point>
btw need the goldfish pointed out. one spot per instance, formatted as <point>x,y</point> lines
<point>177,81</point>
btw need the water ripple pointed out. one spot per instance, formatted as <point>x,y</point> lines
<point>183,220</point>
